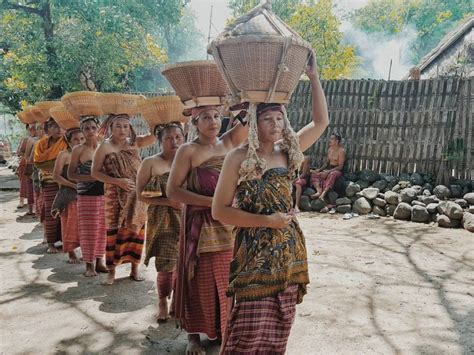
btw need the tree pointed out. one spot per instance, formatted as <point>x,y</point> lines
<point>49,47</point>
<point>282,8</point>
<point>320,27</point>
<point>432,19</point>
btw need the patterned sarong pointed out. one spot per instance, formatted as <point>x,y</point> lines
<point>92,232</point>
<point>327,182</point>
<point>263,326</point>
<point>125,216</point>
<point>204,254</point>
<point>69,228</point>
<point>164,283</point>
<point>162,234</point>
<point>22,177</point>
<point>51,225</point>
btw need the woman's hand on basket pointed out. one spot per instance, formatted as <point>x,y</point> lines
<point>312,67</point>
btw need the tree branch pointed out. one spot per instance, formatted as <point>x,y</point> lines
<point>28,9</point>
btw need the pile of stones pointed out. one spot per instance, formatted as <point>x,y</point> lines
<point>410,197</point>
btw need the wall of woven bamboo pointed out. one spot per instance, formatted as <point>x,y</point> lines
<point>392,127</point>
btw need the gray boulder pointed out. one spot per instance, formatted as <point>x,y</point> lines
<point>305,203</point>
<point>332,197</point>
<point>427,186</point>
<point>429,199</point>
<point>369,175</point>
<point>362,206</point>
<point>450,209</point>
<point>351,177</point>
<point>446,222</point>
<point>418,189</point>
<point>344,208</point>
<point>416,179</point>
<point>404,184</point>
<point>462,202</point>
<point>469,197</point>
<point>390,209</point>
<point>396,188</point>
<point>468,221</point>
<point>352,189</point>
<point>317,205</point>
<point>343,201</point>
<point>391,197</point>
<point>370,193</point>
<point>324,210</point>
<point>432,207</point>
<point>403,211</point>
<point>363,184</point>
<point>379,202</point>
<point>456,191</point>
<point>442,192</point>
<point>417,203</point>
<point>309,191</point>
<point>407,195</point>
<point>420,214</point>
<point>426,193</point>
<point>380,184</point>
<point>471,209</point>
<point>379,211</point>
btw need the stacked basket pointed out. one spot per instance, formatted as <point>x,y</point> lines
<point>41,109</point>
<point>162,110</point>
<point>197,83</point>
<point>26,116</point>
<point>64,118</point>
<point>82,103</point>
<point>115,103</point>
<point>260,57</point>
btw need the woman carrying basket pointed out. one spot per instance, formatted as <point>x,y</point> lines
<point>269,271</point>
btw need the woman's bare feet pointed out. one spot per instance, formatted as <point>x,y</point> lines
<point>73,259</point>
<point>194,345</point>
<point>110,277</point>
<point>52,249</point>
<point>135,275</point>
<point>90,272</point>
<point>163,315</point>
<point>100,266</point>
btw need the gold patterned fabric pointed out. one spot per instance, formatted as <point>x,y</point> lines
<point>162,233</point>
<point>266,261</point>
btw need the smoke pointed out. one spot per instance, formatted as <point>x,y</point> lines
<point>376,50</point>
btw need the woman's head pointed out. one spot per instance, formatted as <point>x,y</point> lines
<point>118,127</point>
<point>32,130</point>
<point>171,136</point>
<point>270,122</point>
<point>334,139</point>
<point>53,129</point>
<point>74,136</point>
<point>207,120</point>
<point>90,127</point>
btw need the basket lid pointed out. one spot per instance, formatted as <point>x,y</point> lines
<point>26,116</point>
<point>42,109</point>
<point>64,118</point>
<point>82,103</point>
<point>260,57</point>
<point>162,110</point>
<point>197,83</point>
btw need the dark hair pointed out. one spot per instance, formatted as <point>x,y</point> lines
<point>161,128</point>
<point>106,127</point>
<point>337,135</point>
<point>69,133</point>
<point>49,123</point>
<point>85,119</point>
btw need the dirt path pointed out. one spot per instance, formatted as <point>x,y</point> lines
<point>378,287</point>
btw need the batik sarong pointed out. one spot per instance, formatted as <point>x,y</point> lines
<point>125,216</point>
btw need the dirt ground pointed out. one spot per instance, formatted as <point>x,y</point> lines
<point>377,287</point>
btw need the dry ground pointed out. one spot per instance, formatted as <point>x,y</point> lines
<point>377,287</point>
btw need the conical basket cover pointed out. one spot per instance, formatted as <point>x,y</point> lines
<point>162,110</point>
<point>197,83</point>
<point>42,109</point>
<point>260,57</point>
<point>64,118</point>
<point>82,103</point>
<point>117,103</point>
<point>26,117</point>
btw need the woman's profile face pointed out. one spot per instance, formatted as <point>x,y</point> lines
<point>270,126</point>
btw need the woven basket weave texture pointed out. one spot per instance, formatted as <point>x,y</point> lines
<point>82,103</point>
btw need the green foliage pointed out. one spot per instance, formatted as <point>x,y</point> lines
<point>319,26</point>
<point>50,47</point>
<point>432,19</point>
<point>282,8</point>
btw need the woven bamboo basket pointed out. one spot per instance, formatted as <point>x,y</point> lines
<point>82,103</point>
<point>260,57</point>
<point>162,110</point>
<point>64,118</point>
<point>116,103</point>
<point>34,114</point>
<point>26,117</point>
<point>42,108</point>
<point>197,83</point>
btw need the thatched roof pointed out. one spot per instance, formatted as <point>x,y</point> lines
<point>448,40</point>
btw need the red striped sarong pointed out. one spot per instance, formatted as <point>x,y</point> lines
<point>124,246</point>
<point>69,229</point>
<point>39,205</point>
<point>164,283</point>
<point>51,225</point>
<point>263,326</point>
<point>30,193</point>
<point>91,227</point>
<point>22,177</point>
<point>205,303</point>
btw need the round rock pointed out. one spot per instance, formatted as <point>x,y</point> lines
<point>456,191</point>
<point>420,214</point>
<point>305,203</point>
<point>391,197</point>
<point>380,184</point>
<point>317,205</point>
<point>390,209</point>
<point>416,179</point>
<point>370,193</point>
<point>432,207</point>
<point>407,195</point>
<point>379,211</point>
<point>469,197</point>
<point>379,202</point>
<point>462,202</point>
<point>352,189</point>
<point>468,221</point>
<point>442,192</point>
<point>403,211</point>
<point>418,203</point>
<point>362,206</point>
<point>369,175</point>
<point>446,222</point>
<point>343,201</point>
<point>344,208</point>
<point>309,191</point>
<point>450,209</point>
